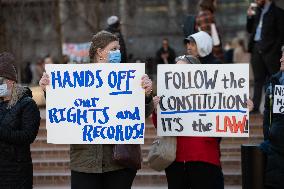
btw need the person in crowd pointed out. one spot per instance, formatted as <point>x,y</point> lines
<point>19,124</point>
<point>196,157</point>
<point>273,131</point>
<point>114,24</point>
<point>240,54</point>
<point>205,21</point>
<point>228,53</point>
<point>166,55</point>
<point>48,60</point>
<point>66,59</point>
<point>27,73</point>
<point>37,70</point>
<point>92,166</point>
<point>265,24</point>
<point>200,46</point>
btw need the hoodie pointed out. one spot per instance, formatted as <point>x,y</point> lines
<point>204,45</point>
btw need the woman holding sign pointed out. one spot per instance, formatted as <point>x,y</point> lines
<point>92,166</point>
<point>19,123</point>
<point>273,130</point>
<point>197,163</point>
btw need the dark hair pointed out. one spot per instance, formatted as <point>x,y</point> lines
<point>207,5</point>
<point>242,44</point>
<point>100,40</point>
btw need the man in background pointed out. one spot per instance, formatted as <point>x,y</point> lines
<point>265,24</point>
<point>114,28</point>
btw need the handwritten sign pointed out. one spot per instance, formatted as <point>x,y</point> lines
<point>278,103</point>
<point>95,104</point>
<point>203,100</point>
<point>77,52</point>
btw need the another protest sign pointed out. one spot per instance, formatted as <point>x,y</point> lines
<point>203,100</point>
<point>278,104</point>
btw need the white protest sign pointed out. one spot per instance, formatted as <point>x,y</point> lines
<point>203,100</point>
<point>278,102</point>
<point>95,104</point>
<point>77,52</point>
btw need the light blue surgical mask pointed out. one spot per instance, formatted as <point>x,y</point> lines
<point>114,56</point>
<point>4,92</point>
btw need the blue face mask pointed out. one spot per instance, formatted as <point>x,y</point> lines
<point>114,56</point>
<point>4,90</point>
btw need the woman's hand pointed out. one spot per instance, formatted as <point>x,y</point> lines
<point>156,101</point>
<point>44,81</point>
<point>250,104</point>
<point>147,85</point>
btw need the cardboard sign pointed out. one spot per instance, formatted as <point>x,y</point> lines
<point>203,100</point>
<point>77,52</point>
<point>278,102</point>
<point>95,104</point>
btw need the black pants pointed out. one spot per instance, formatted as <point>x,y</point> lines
<point>120,179</point>
<point>194,175</point>
<point>264,65</point>
<point>16,175</point>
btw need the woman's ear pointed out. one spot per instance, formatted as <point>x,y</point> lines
<point>100,52</point>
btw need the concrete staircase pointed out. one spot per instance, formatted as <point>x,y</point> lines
<point>51,162</point>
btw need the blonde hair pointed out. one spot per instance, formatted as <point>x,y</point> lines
<point>17,93</point>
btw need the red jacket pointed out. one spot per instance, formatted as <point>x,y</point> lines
<point>202,149</point>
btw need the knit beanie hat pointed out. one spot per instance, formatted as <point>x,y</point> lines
<point>7,68</point>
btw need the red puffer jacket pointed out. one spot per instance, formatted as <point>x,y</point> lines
<point>202,149</point>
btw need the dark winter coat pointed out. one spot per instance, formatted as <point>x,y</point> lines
<point>209,59</point>
<point>272,37</point>
<point>19,125</point>
<point>273,130</point>
<point>169,51</point>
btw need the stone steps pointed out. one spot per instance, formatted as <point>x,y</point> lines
<point>41,142</point>
<point>228,150</point>
<point>51,162</point>
<point>145,177</point>
<point>56,163</point>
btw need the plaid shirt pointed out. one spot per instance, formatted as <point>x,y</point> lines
<point>203,23</point>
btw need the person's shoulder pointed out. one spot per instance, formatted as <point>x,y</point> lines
<point>277,9</point>
<point>276,75</point>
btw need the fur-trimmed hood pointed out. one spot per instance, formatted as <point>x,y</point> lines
<point>19,92</point>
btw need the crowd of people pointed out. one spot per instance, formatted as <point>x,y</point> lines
<point>92,166</point>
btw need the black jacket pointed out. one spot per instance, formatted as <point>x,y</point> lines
<point>171,57</point>
<point>209,59</point>
<point>273,130</point>
<point>18,129</point>
<point>121,43</point>
<point>272,37</point>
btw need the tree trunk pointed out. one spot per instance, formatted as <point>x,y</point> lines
<point>57,12</point>
<point>123,16</point>
<point>3,46</point>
